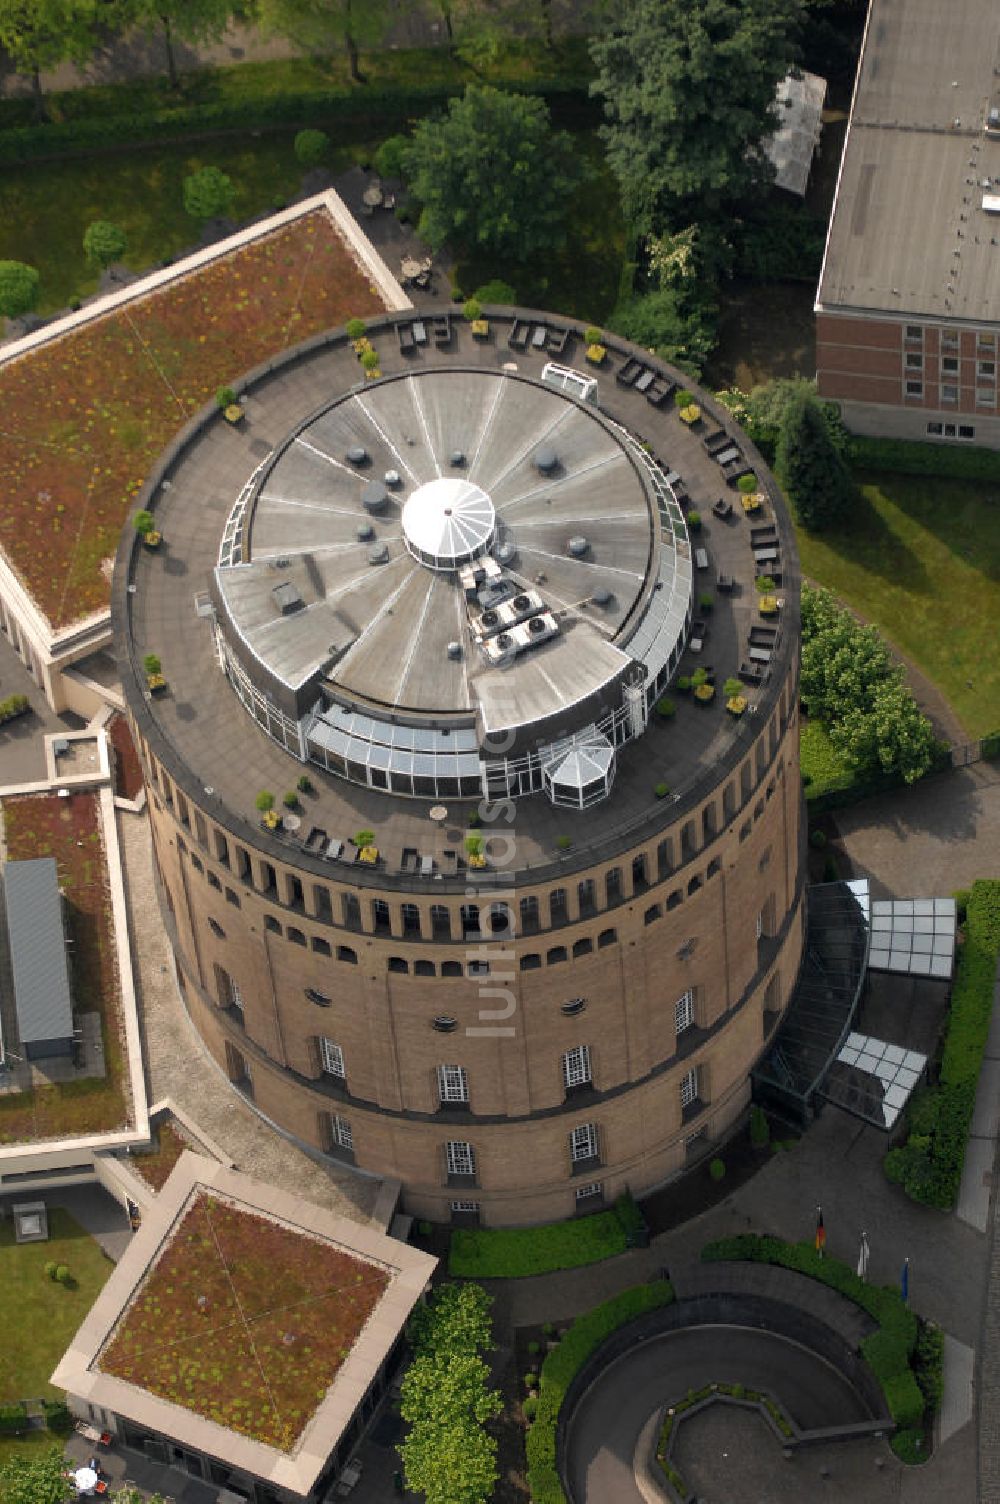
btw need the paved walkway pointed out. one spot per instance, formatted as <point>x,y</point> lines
<point>22,749</point>
<point>179,1066</point>
<point>930,839</point>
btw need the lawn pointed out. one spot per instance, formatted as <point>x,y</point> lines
<point>116,390</point>
<point>69,829</point>
<point>244,1321</point>
<point>45,208</point>
<point>513,1252</point>
<point>922,561</point>
<point>39,1315</point>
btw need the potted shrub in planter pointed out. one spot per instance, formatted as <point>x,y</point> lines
<point>272,820</point>
<point>768,605</point>
<point>706,601</point>
<point>687,408</point>
<point>661,790</point>
<point>474,852</point>
<point>735,696</point>
<point>683,684</point>
<point>764,585</point>
<point>264,803</point>
<point>355,329</point>
<point>473,311</point>
<point>702,686</point>
<point>155,682</point>
<point>229,404</point>
<point>364,840</point>
<point>747,485</point>
<point>596,350</point>
<point>145,526</point>
<point>369,364</point>
<point>694,522</point>
<point>563,843</point>
<point>665,708</point>
<point>290,800</point>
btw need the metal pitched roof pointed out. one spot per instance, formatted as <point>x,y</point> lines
<point>38,950</point>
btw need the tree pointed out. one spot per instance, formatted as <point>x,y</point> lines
<point>893,735</point>
<point>104,243</point>
<point>688,92</point>
<point>811,468</point>
<point>492,175</point>
<point>321,25</point>
<point>678,326</point>
<point>192,21</point>
<point>311,147</point>
<point>36,1479</point>
<point>18,288</point>
<point>208,193</point>
<point>40,34</point>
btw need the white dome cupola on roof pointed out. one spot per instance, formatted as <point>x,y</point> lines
<point>447,522</point>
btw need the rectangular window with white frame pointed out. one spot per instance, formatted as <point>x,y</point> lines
<point>689,1088</point>
<point>453,1083</point>
<point>587,1192</point>
<point>684,1012</point>
<point>460,1157</point>
<point>341,1132</point>
<point>576,1066</point>
<point>583,1143</point>
<point>469,1207</point>
<point>332,1059</point>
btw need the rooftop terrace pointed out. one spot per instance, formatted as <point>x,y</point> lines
<point>213,748</point>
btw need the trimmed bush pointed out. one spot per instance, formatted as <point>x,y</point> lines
<point>909,1447</point>
<point>496,291</point>
<point>732,687</point>
<point>817,839</point>
<point>472,309</point>
<point>13,1419</point>
<point>311,147</point>
<point>290,800</point>
<point>928,1365</point>
<point>747,485</point>
<point>50,1268</point>
<point>208,193</point>
<point>717,1169</point>
<point>144,523</point>
<point>104,243</point>
<point>264,801</point>
<point>225,397</point>
<point>903,1396</point>
<point>304,784</point>
<point>665,708</point>
<point>13,706</point>
<point>760,1128</point>
<point>389,156</point>
<point>529,1406</point>
<point>63,1276</point>
<point>19,288</point>
<point>661,790</point>
<point>364,838</point>
<point>561,1367</point>
<point>57,1416</point>
<point>152,664</point>
<point>355,329</point>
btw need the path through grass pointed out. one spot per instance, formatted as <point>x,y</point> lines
<point>922,561</point>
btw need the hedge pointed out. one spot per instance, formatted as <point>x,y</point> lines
<point>929,1165</point>
<point>906,457</point>
<point>13,1419</point>
<point>516,1252</point>
<point>888,1352</point>
<point>562,1366</point>
<point>291,108</point>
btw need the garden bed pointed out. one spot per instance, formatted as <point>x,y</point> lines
<point>517,1252</point>
<point>70,830</point>
<point>118,388</point>
<point>244,1321</point>
<point>155,1165</point>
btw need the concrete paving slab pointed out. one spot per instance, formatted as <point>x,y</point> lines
<point>974,1193</point>
<point>986,1113</point>
<point>959,1372</point>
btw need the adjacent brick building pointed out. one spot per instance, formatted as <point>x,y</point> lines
<point>908,306</point>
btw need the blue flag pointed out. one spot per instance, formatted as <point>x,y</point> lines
<point>904,1280</point>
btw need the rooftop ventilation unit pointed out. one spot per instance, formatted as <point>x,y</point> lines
<point>506,615</point>
<point>507,552</point>
<point>288,598</point>
<point>454,650</point>
<point>578,546</point>
<point>601,596</point>
<point>456,459</point>
<point>991,203</point>
<point>518,640</point>
<point>365,533</point>
<point>379,554</point>
<point>375,498</point>
<point>546,459</point>
<point>357,454</point>
<point>565,379</point>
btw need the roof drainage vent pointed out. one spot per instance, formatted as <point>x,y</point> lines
<point>357,454</point>
<point>578,546</point>
<point>601,596</point>
<point>375,498</point>
<point>454,650</point>
<point>546,459</point>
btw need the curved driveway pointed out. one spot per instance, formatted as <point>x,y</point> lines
<point>602,1435</point>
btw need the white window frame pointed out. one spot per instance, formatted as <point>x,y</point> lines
<point>453,1083</point>
<point>235,995</point>
<point>684,1011</point>
<point>341,1132</point>
<point>583,1143</point>
<point>914,389</point>
<point>982,373</point>
<point>460,1157</point>
<point>584,1192</point>
<point>949,391</point>
<point>331,1058</point>
<point>949,365</point>
<point>576,1068</point>
<point>465,1206</point>
<point>689,1087</point>
<point>760,925</point>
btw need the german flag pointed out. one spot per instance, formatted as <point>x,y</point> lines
<point>820,1231</point>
